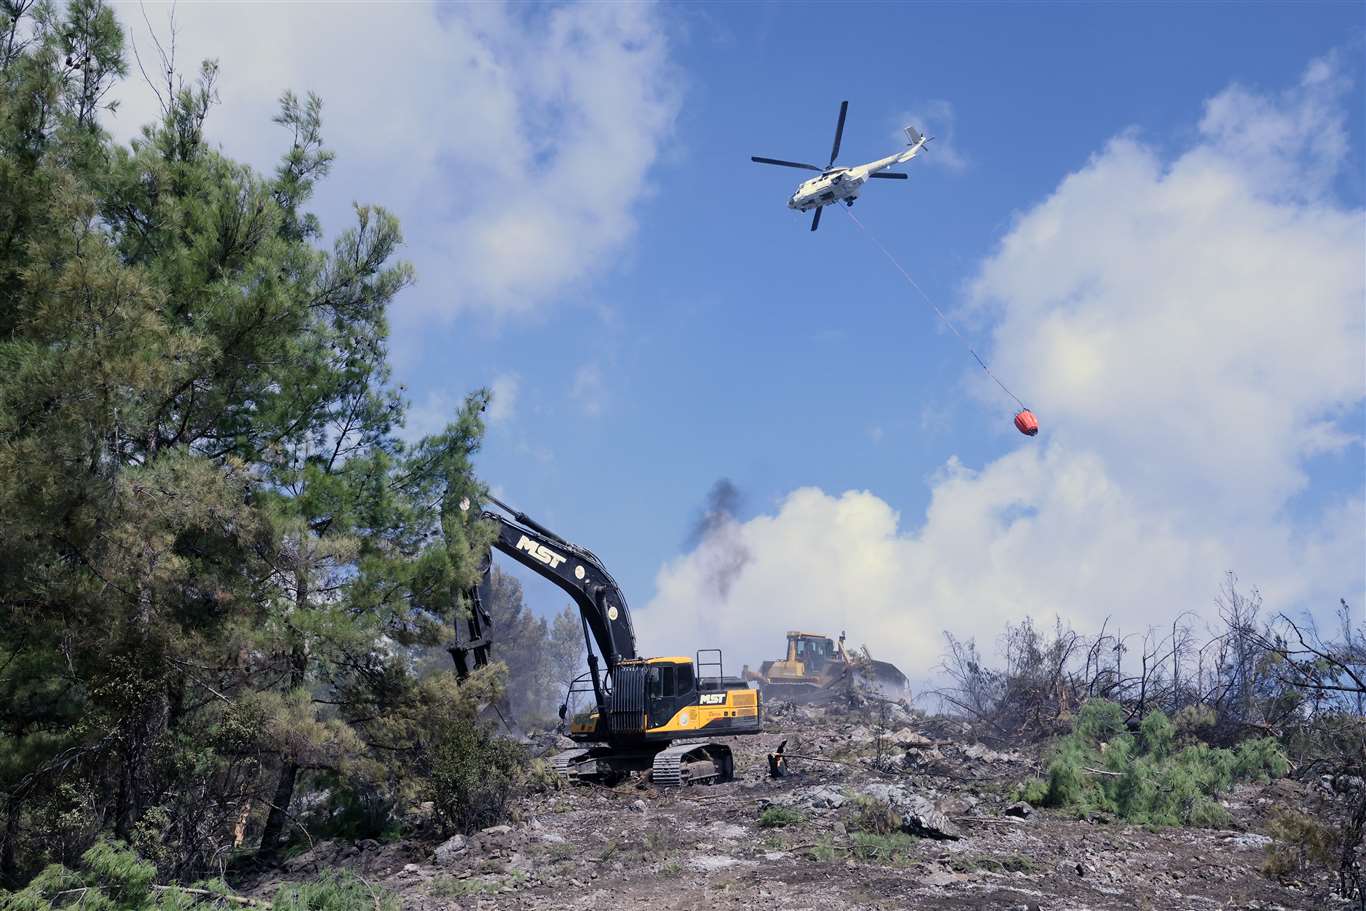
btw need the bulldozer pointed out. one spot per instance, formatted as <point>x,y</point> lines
<point>819,669</point>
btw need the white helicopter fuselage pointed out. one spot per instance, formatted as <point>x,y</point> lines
<point>843,184</point>
<point>829,188</point>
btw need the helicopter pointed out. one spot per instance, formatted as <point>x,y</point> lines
<point>843,184</point>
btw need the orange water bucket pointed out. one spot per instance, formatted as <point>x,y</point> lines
<point>1026,423</point>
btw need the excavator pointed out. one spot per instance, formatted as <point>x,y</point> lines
<point>655,714</point>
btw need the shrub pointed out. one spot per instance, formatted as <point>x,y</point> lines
<point>1145,779</point>
<point>1157,735</point>
<point>874,817</point>
<point>113,877</point>
<point>1033,791</point>
<point>1300,841</point>
<point>1195,721</point>
<point>1260,760</point>
<point>1099,720</point>
<point>776,817</point>
<point>334,891</point>
<point>471,774</point>
<point>1207,814</point>
<point>894,847</point>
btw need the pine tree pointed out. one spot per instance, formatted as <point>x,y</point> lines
<point>216,556</point>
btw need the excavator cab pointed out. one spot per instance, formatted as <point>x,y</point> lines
<point>671,685</point>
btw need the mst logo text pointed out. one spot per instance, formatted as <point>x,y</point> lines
<point>540,552</point>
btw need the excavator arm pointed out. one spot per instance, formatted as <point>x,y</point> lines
<point>573,569</point>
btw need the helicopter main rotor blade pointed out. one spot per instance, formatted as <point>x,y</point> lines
<point>816,221</point>
<point>786,164</point>
<point>839,132</point>
<point>889,175</point>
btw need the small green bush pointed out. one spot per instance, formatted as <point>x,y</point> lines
<point>1099,720</point>
<point>894,847</point>
<point>1146,778</point>
<point>1207,814</point>
<point>1157,735</point>
<point>112,877</point>
<point>1260,760</point>
<point>1033,791</point>
<point>776,817</point>
<point>333,891</point>
<point>471,774</point>
<point>1195,721</point>
<point>826,851</point>
<point>1299,842</point>
<point>875,817</point>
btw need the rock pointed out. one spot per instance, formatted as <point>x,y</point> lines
<point>638,805</point>
<point>891,794</point>
<point>496,830</point>
<point>1019,809</point>
<point>1250,840</point>
<point>551,838</point>
<point>919,815</point>
<point>941,878</point>
<point>980,751</point>
<point>447,852</point>
<point>823,797</point>
<point>916,756</point>
<point>727,830</point>
<point>708,863</point>
<point>909,738</point>
<point>312,859</point>
<point>922,818</point>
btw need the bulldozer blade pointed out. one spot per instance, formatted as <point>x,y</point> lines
<point>886,679</point>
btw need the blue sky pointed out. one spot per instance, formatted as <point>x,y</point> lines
<point>592,240</point>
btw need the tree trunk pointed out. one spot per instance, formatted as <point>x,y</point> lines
<point>137,779</point>
<point>289,772</point>
<point>279,810</point>
<point>9,871</point>
<point>144,724</point>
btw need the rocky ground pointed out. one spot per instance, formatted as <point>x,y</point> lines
<point>705,847</point>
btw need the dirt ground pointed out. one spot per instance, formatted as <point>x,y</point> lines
<point>703,847</point>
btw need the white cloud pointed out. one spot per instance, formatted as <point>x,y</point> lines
<point>503,404</point>
<point>429,416</point>
<point>1190,331</point>
<point>588,390</point>
<point>514,141</point>
<point>935,118</point>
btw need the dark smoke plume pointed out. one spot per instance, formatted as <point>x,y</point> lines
<point>716,535</point>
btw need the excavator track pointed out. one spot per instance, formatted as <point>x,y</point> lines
<point>677,765</point>
<point>563,762</point>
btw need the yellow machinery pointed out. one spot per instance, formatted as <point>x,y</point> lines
<point>819,668</point>
<point>648,713</point>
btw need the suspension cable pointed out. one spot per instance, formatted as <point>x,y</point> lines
<point>940,313</point>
